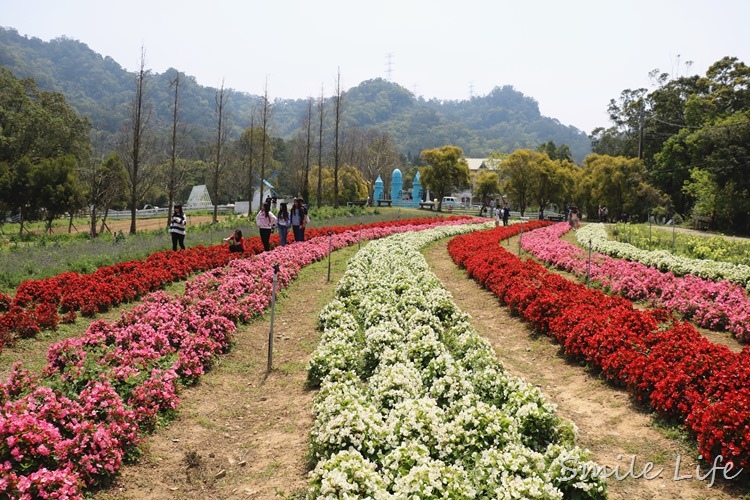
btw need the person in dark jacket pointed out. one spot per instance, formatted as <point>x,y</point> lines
<point>298,218</point>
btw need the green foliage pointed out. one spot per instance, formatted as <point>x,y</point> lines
<point>686,123</point>
<point>486,185</point>
<point>521,174</point>
<point>446,170</point>
<point>352,185</point>
<point>98,87</point>
<point>620,184</point>
<point>42,140</point>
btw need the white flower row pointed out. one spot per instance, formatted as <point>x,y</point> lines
<point>413,403</point>
<point>596,235</point>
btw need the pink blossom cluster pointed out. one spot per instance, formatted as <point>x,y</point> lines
<point>716,305</point>
<point>73,426</point>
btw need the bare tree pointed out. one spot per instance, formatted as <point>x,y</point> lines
<point>105,181</point>
<point>308,143</point>
<point>141,175</point>
<point>337,98</point>
<point>248,141</point>
<point>321,114</point>
<point>265,117</point>
<point>380,158</point>
<point>222,132</point>
<point>175,176</point>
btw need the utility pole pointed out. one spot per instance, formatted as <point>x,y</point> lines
<point>640,133</point>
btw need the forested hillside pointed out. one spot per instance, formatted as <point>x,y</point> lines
<point>100,89</point>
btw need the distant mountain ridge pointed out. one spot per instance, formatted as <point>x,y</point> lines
<point>98,87</point>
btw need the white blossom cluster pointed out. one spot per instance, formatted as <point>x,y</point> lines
<point>662,259</point>
<point>413,403</point>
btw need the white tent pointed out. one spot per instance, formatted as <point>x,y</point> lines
<point>199,198</point>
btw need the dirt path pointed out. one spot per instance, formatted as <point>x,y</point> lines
<point>241,435</point>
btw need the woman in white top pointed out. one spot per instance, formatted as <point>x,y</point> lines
<point>266,221</point>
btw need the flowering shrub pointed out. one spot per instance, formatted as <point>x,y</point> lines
<point>717,305</point>
<point>37,304</point>
<point>421,399</point>
<point>663,362</point>
<point>73,426</point>
<point>347,474</point>
<point>596,236</point>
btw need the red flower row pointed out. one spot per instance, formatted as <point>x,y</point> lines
<point>662,362</point>
<point>42,304</point>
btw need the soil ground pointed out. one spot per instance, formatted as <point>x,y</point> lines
<point>243,433</point>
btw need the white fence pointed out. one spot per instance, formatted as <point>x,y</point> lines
<point>159,212</point>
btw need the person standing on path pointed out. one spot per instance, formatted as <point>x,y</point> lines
<point>266,221</point>
<point>282,221</point>
<point>298,218</point>
<point>177,228</point>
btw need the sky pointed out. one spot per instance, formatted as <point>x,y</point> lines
<point>571,56</point>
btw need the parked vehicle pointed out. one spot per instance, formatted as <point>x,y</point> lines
<point>449,203</point>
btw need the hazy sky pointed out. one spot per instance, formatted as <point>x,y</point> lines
<point>571,56</point>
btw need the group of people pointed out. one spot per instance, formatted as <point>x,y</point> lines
<point>503,214</point>
<point>296,218</point>
<point>603,213</point>
<point>268,222</point>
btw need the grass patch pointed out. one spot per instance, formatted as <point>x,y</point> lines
<point>292,367</point>
<point>271,469</point>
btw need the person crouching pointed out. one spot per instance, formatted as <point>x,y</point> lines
<point>235,242</point>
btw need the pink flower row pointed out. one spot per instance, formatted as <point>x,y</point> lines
<point>74,425</point>
<point>717,305</point>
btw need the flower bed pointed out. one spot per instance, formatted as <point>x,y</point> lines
<point>43,304</point>
<point>413,403</point>
<point>72,426</point>
<point>663,362</point>
<point>596,236</point>
<point>717,305</point>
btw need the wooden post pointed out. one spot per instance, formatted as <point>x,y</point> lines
<point>588,266</point>
<point>329,256</point>
<point>273,307</point>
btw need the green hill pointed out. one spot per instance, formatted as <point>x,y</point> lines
<point>99,88</point>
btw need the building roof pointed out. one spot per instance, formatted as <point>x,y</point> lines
<point>476,164</point>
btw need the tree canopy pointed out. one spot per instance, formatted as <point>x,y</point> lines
<point>686,123</point>
<point>446,170</point>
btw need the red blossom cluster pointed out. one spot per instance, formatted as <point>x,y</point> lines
<point>663,362</point>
